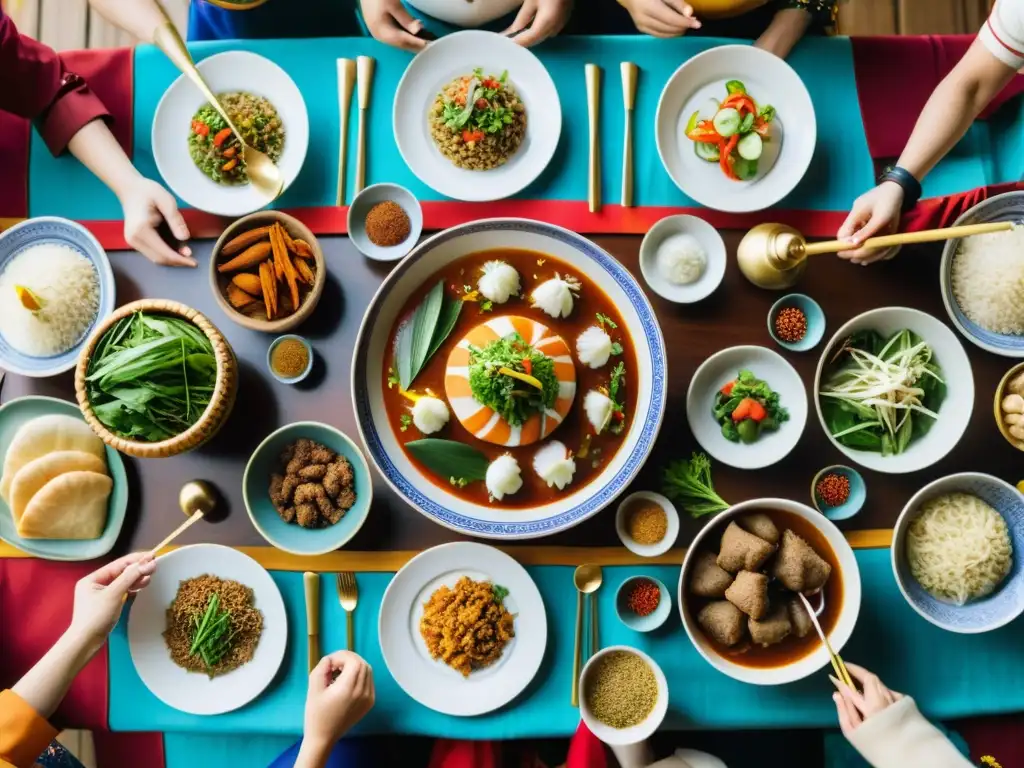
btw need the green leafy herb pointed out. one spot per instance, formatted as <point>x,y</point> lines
<point>514,400</point>
<point>748,123</point>
<point>392,377</point>
<point>604,320</point>
<point>615,385</point>
<point>500,592</point>
<point>449,458</point>
<point>616,348</point>
<point>458,482</point>
<point>424,333</point>
<point>486,306</point>
<point>688,483</point>
<point>735,86</point>
<point>151,377</point>
<point>405,420</point>
<point>767,113</point>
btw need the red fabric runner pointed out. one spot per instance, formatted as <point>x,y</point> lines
<point>943,211</point>
<point>895,77</point>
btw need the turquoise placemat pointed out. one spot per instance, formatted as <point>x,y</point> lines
<point>949,675</point>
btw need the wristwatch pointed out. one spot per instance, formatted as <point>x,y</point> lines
<point>911,186</point>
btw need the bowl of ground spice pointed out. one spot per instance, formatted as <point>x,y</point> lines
<point>838,492</point>
<point>385,222</point>
<point>642,603</point>
<point>290,359</point>
<point>623,695</point>
<point>796,322</point>
<point>647,523</point>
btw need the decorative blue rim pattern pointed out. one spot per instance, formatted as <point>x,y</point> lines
<point>55,230</point>
<point>651,419</point>
<point>1008,206</point>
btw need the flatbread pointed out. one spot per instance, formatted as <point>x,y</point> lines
<point>71,506</point>
<point>45,434</point>
<point>33,476</point>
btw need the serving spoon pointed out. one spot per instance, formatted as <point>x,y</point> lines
<point>197,500</point>
<point>263,172</point>
<point>587,579</point>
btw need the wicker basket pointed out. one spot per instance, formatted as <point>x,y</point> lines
<point>216,413</point>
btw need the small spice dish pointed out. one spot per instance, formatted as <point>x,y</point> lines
<point>855,492</point>
<point>361,206</point>
<point>813,322</point>
<point>627,613</point>
<point>285,344</point>
<point>633,505</point>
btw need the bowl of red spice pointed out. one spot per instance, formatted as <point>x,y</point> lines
<point>647,523</point>
<point>838,492</point>
<point>643,603</point>
<point>796,322</point>
<point>385,222</point>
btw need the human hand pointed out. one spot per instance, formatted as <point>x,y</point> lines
<point>100,595</point>
<point>661,18</point>
<point>853,707</point>
<point>389,22</point>
<point>877,211</point>
<point>538,20</point>
<point>340,694</point>
<point>146,206</point>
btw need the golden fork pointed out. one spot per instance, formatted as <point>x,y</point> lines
<point>348,596</point>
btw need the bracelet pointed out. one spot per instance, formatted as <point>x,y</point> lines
<point>910,185</point>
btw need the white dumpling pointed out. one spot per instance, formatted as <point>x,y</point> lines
<point>498,282</point>
<point>503,477</point>
<point>429,414</point>
<point>599,409</point>
<point>594,347</point>
<point>554,465</point>
<point>555,296</point>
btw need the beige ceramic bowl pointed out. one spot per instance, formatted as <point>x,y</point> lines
<point>997,410</point>
<point>219,281</point>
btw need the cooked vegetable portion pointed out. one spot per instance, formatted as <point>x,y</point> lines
<point>747,407</point>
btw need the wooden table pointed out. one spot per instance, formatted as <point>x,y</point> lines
<point>735,314</point>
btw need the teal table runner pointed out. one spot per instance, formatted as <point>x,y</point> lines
<point>950,675</point>
<point>842,168</point>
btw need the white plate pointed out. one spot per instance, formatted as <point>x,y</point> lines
<point>714,250</point>
<point>769,80</point>
<point>721,368</point>
<point>226,72</point>
<point>194,692</point>
<point>456,55</point>
<point>955,410</point>
<point>434,684</point>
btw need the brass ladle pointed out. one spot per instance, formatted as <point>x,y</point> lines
<point>263,173</point>
<point>197,499</point>
<point>774,256</point>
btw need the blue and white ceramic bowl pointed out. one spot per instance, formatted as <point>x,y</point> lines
<point>46,230</point>
<point>988,613</point>
<point>291,537</point>
<point>1008,206</point>
<point>374,341</point>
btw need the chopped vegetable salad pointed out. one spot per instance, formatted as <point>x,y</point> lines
<point>732,132</point>
<point>747,407</point>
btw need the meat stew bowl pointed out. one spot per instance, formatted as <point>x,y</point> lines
<point>787,670</point>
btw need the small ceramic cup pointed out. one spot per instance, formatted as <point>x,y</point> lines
<point>714,252</point>
<point>853,503</point>
<point>622,524</point>
<point>635,621</point>
<point>815,321</point>
<point>361,205</point>
<point>309,359</point>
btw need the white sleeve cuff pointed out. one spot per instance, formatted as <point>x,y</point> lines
<point>1003,33</point>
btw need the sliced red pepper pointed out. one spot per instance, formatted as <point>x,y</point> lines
<point>704,132</point>
<point>201,128</point>
<point>491,84</point>
<point>727,389</point>
<point>528,366</point>
<point>725,160</point>
<point>740,102</point>
<point>221,136</point>
<point>229,152</point>
<point>468,135</point>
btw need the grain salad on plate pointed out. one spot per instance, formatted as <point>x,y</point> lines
<point>216,150</point>
<point>478,121</point>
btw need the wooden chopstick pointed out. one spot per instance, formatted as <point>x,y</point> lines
<point>837,662</point>
<point>629,72</point>
<point>593,75</point>
<point>364,79</point>
<point>346,84</point>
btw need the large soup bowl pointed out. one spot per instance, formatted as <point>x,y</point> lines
<point>848,612</point>
<point>374,340</point>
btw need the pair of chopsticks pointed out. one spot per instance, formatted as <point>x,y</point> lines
<point>350,75</point>
<point>629,72</point>
<point>835,658</point>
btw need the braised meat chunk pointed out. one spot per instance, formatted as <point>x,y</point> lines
<point>315,487</point>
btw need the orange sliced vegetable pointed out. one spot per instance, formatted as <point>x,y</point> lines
<point>725,161</point>
<point>29,299</point>
<point>250,257</point>
<point>221,136</point>
<point>230,151</point>
<point>244,240</point>
<point>230,164</point>
<point>727,389</point>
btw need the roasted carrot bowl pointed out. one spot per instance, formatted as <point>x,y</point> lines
<point>267,272</point>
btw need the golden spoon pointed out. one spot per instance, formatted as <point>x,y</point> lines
<point>587,579</point>
<point>263,173</point>
<point>197,499</point>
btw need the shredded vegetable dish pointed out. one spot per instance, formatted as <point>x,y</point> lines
<point>478,121</point>
<point>217,152</point>
<point>732,132</point>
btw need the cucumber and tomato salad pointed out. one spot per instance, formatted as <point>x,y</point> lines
<point>731,132</point>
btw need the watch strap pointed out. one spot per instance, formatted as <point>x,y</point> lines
<point>910,185</point>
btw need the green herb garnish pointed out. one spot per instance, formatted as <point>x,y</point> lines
<point>500,592</point>
<point>615,384</point>
<point>616,348</point>
<point>151,377</point>
<point>688,483</point>
<point>486,306</point>
<point>424,333</point>
<point>405,420</point>
<point>604,320</point>
<point>514,400</point>
<point>211,634</point>
<point>392,377</point>
<point>449,458</point>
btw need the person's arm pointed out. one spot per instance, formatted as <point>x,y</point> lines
<point>139,18</point>
<point>792,21</point>
<point>340,694</point>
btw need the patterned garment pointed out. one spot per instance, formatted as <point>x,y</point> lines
<point>823,11</point>
<point>56,756</point>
